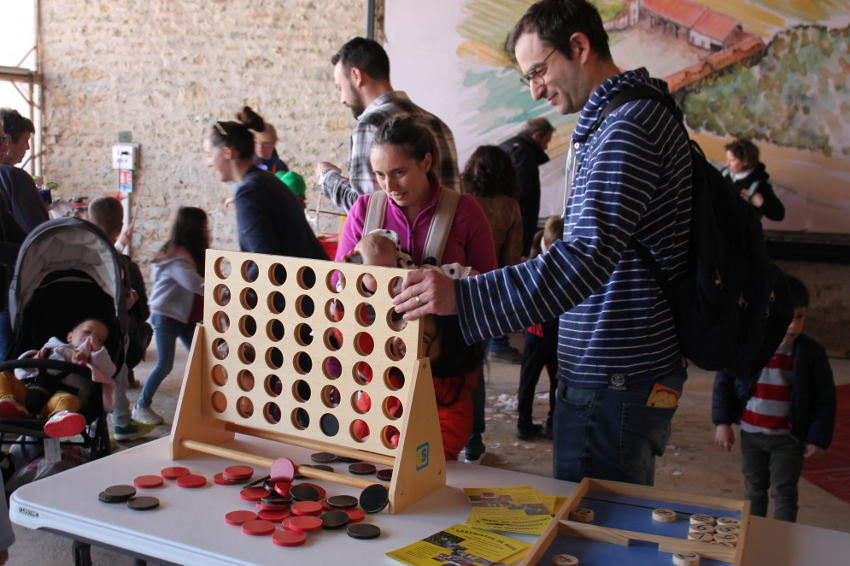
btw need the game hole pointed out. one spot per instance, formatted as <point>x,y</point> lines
<point>222,268</point>
<point>273,385</point>
<point>395,348</point>
<point>271,412</point>
<point>250,272</point>
<point>245,380</point>
<point>220,348</point>
<point>394,287</point>
<point>392,407</point>
<point>333,339</point>
<point>276,302</point>
<point>274,330</point>
<point>390,436</point>
<point>219,401</point>
<point>364,314</point>
<point>247,326</point>
<point>277,275</point>
<point>248,298</point>
<point>395,320</point>
<point>331,367</point>
<point>335,281</point>
<point>361,402</point>
<point>393,378</point>
<point>329,424</point>
<point>244,407</point>
<point>301,390</point>
<point>366,284</point>
<point>362,373</point>
<point>219,375</point>
<point>304,334</point>
<point>274,358</point>
<point>363,343</point>
<point>359,430</point>
<point>247,354</point>
<point>334,310</point>
<point>304,305</point>
<point>330,396</point>
<point>300,418</point>
<point>306,278</point>
<point>221,295</point>
<point>220,321</point>
<point>302,362</point>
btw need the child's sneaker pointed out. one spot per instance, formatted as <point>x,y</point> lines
<point>147,415</point>
<point>134,429</point>
<point>10,409</point>
<point>63,424</point>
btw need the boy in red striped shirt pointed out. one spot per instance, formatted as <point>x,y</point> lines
<point>786,413</point>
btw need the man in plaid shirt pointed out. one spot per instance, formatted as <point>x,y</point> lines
<point>362,74</point>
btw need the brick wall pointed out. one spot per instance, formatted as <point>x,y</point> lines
<point>165,70</point>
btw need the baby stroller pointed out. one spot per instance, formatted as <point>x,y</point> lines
<point>66,271</point>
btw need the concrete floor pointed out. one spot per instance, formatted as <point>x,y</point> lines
<point>691,462</point>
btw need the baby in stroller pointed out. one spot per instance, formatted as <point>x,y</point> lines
<point>51,393</point>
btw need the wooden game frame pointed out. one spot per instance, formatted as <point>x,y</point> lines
<point>288,347</point>
<point>562,525</point>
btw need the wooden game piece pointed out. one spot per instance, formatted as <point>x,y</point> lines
<point>700,537</point>
<point>304,492</point>
<point>174,472</point>
<point>259,506</point>
<point>239,517</point>
<point>728,521</point>
<point>283,469</point>
<point>342,501</point>
<point>582,514</point>
<point>219,479</point>
<point>306,508</point>
<point>334,519</point>
<point>303,524</point>
<point>143,503</point>
<point>701,528</point>
<point>258,527</point>
<point>374,498</point>
<point>273,516</point>
<point>363,531</point>
<point>289,538</point>
<point>148,482</point>
<point>701,519</point>
<point>723,543</point>
<point>191,481</point>
<point>664,516</point>
<point>319,489</point>
<point>362,468</point>
<point>117,493</point>
<point>385,475</point>
<point>727,530</point>
<point>686,559</point>
<point>355,515</point>
<point>253,493</point>
<point>323,467</point>
<point>730,538</point>
<point>238,472</point>
<point>323,457</point>
<point>564,560</point>
<point>282,488</point>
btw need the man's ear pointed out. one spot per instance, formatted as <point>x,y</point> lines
<point>580,47</point>
<point>356,77</point>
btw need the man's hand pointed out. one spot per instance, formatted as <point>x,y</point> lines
<point>812,451</point>
<point>426,291</point>
<point>322,167</point>
<point>724,437</point>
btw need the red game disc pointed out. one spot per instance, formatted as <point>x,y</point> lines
<point>253,493</point>
<point>283,469</point>
<point>271,506</point>
<point>306,508</point>
<point>258,528</point>
<point>282,487</point>
<point>303,524</point>
<point>238,472</point>
<point>174,472</point>
<point>354,515</point>
<point>191,481</point>
<point>320,489</point>
<point>288,538</point>
<point>221,480</point>
<point>326,506</point>
<point>239,517</point>
<point>273,516</point>
<point>147,482</point>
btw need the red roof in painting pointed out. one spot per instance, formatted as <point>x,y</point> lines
<point>715,25</point>
<point>683,12</point>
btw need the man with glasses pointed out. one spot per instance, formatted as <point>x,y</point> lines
<point>629,184</point>
<point>362,75</point>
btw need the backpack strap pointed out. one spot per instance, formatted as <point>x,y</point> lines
<point>441,225</point>
<point>375,211</point>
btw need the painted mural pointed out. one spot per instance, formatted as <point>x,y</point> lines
<point>775,71</point>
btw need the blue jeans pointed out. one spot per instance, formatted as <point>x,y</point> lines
<point>498,343</point>
<point>609,434</point>
<point>166,331</point>
<point>774,462</point>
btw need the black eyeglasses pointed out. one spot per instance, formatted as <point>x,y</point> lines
<point>535,75</point>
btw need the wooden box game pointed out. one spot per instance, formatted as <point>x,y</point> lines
<point>311,353</point>
<point>605,523</point>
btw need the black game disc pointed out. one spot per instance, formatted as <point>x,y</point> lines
<point>323,467</point>
<point>275,499</point>
<point>143,503</point>
<point>363,531</point>
<point>342,501</point>
<point>345,460</point>
<point>362,468</point>
<point>334,519</point>
<point>323,457</point>
<point>303,492</point>
<point>117,493</point>
<point>374,498</point>
<point>385,475</point>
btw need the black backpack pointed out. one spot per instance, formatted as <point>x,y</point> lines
<point>732,307</point>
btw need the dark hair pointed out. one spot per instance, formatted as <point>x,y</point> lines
<point>490,172</point>
<point>107,214</point>
<point>411,136</point>
<point>365,54</point>
<point>189,231</point>
<point>744,150</point>
<point>14,124</point>
<point>457,358</point>
<point>251,119</point>
<point>535,125</point>
<point>555,21</point>
<point>235,136</point>
<point>799,292</point>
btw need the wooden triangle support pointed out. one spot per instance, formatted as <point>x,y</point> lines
<point>311,353</point>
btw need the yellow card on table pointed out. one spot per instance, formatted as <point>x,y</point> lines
<point>461,544</point>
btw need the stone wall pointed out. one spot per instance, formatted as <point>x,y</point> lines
<point>164,70</point>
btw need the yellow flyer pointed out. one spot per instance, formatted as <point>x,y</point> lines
<point>461,545</point>
<point>520,509</point>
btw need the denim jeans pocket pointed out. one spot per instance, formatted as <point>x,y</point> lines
<point>644,434</point>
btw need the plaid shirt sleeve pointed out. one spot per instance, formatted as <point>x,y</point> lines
<point>344,191</point>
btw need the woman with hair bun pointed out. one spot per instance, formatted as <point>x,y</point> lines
<point>268,217</point>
